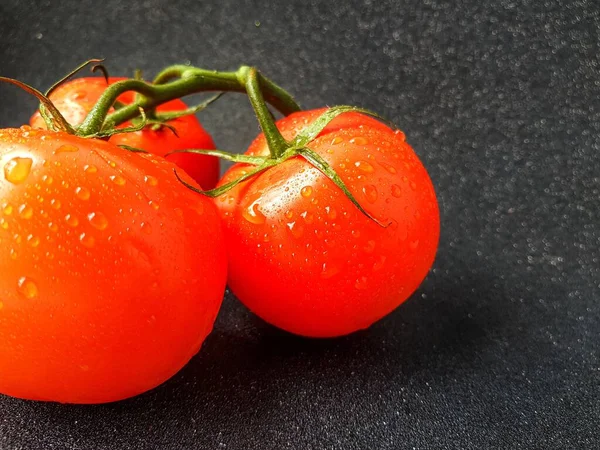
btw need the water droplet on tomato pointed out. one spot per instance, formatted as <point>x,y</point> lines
<point>118,180</point>
<point>13,254</point>
<point>71,220</point>
<point>400,135</point>
<point>391,169</point>
<point>112,164</point>
<point>361,283</point>
<point>413,185</point>
<point>336,140</point>
<point>414,244</point>
<point>355,234</point>
<point>379,263</point>
<point>66,149</point>
<point>146,228</point>
<point>3,224</point>
<point>90,169</point>
<point>296,229</point>
<point>56,204</point>
<point>98,220</point>
<point>359,140</point>
<point>331,213</point>
<point>53,226</point>
<point>289,214</point>
<point>47,179</point>
<point>27,288</point>
<point>364,166</point>
<point>25,211</point>
<point>308,217</point>
<point>329,270</point>
<point>370,246</point>
<point>253,214</point>
<point>396,191</point>
<point>370,192</point>
<point>17,170</point>
<point>34,241</point>
<point>78,95</point>
<point>153,205</point>
<point>83,193</point>
<point>150,180</point>
<point>87,240</point>
<point>306,191</point>
<point>7,209</point>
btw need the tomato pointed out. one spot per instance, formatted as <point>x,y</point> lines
<point>74,99</point>
<point>111,272</point>
<point>303,257</point>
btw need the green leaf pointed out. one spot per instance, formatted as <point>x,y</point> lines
<point>164,116</point>
<point>226,187</point>
<point>312,131</point>
<point>246,159</point>
<point>317,161</point>
<point>132,149</point>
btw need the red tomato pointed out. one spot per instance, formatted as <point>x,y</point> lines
<point>74,99</point>
<point>303,257</point>
<point>111,272</point>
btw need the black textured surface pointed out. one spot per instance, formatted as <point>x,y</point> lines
<point>499,348</point>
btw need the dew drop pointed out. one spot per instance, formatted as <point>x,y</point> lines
<point>370,247</point>
<point>7,209</point>
<point>98,220</point>
<point>379,263</point>
<point>361,283</point>
<point>296,230</point>
<point>329,270</point>
<point>253,214</point>
<point>400,135</point>
<point>17,170</point>
<point>150,180</point>
<point>56,204</point>
<point>17,238</point>
<point>118,180</point>
<point>355,234</point>
<point>87,240</point>
<point>53,227</point>
<point>414,244</point>
<point>391,169</point>
<point>413,185</point>
<point>308,217</point>
<point>306,191</point>
<point>146,228</point>
<point>90,169</point>
<point>34,241</point>
<point>25,211</point>
<point>364,166</point>
<point>71,220</point>
<point>336,140</point>
<point>370,192</point>
<point>27,288</point>
<point>13,254</point>
<point>78,95</point>
<point>331,213</point>
<point>396,191</point>
<point>359,140</point>
<point>289,214</point>
<point>153,205</point>
<point>83,193</point>
<point>3,224</point>
<point>66,149</point>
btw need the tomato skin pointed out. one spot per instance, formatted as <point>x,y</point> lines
<point>75,98</point>
<point>305,259</point>
<point>111,272</point>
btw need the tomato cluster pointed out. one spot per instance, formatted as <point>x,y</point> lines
<point>112,269</point>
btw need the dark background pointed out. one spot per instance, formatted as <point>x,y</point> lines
<point>499,348</point>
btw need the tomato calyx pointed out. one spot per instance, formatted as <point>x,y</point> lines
<point>281,150</point>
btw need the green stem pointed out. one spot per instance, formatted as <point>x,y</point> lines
<point>192,80</point>
<point>277,144</point>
